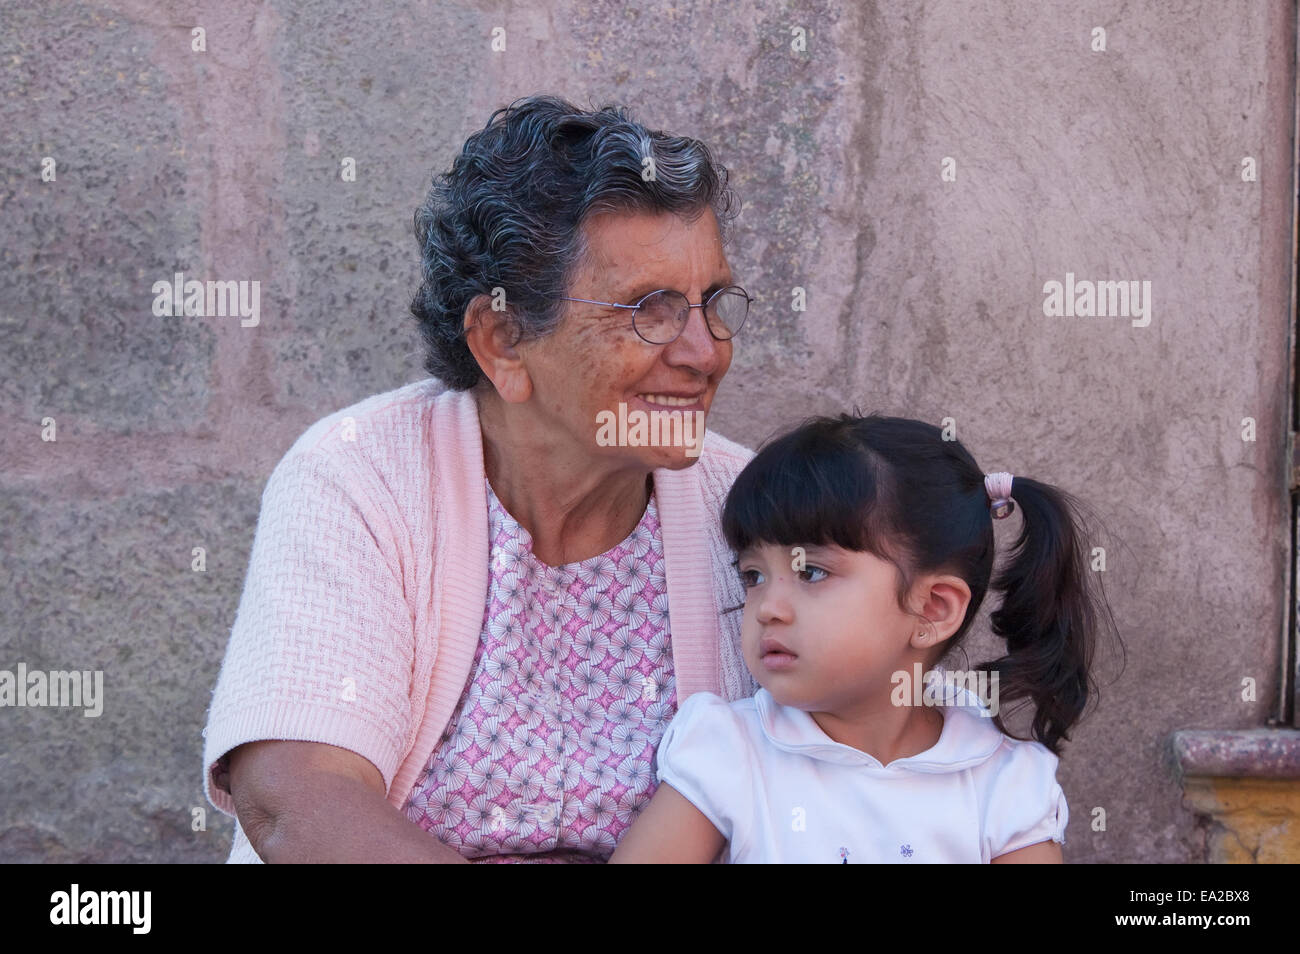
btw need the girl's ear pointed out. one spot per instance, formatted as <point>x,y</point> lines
<point>944,598</point>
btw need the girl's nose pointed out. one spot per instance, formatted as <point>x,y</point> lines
<point>773,604</point>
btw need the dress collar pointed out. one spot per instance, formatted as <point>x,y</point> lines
<point>967,739</point>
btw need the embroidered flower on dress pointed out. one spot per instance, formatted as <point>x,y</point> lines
<point>560,743</point>
<point>510,556</point>
<point>530,678</point>
<point>560,578</point>
<point>462,734</point>
<point>570,812</point>
<point>552,641</point>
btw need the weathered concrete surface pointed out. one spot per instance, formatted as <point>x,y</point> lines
<point>1248,820</point>
<point>924,298</point>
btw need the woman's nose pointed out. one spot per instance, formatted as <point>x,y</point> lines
<point>695,346</point>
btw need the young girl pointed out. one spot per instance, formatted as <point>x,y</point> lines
<point>866,546</point>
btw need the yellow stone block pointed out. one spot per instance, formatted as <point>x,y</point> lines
<point>1252,820</point>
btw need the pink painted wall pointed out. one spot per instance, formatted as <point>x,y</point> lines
<point>925,298</point>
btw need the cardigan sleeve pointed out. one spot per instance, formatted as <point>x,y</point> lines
<point>322,645</point>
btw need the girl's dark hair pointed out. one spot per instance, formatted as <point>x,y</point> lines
<point>895,488</point>
<point>509,214</point>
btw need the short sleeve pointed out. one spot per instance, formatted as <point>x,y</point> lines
<point>1024,805</point>
<point>322,646</point>
<point>703,756</point>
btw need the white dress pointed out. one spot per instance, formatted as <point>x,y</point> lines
<point>780,790</point>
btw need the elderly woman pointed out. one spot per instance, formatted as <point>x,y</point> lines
<point>472,609</point>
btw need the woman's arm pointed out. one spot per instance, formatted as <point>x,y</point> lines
<point>669,830</point>
<point>308,802</point>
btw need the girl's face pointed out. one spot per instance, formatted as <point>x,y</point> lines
<point>826,637</point>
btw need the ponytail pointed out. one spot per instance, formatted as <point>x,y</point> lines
<point>1049,613</point>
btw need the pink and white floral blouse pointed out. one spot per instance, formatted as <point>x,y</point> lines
<point>549,755</point>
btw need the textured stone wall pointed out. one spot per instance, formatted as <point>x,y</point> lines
<point>924,298</point>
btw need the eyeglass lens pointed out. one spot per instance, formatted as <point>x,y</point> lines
<point>662,316</point>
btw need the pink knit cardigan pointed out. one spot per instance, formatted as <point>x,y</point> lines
<point>363,603</point>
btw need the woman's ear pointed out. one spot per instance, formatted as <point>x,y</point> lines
<point>489,334</point>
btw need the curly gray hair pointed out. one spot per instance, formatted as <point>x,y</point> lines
<point>510,212</point>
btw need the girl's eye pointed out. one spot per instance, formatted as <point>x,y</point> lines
<point>747,581</point>
<point>814,569</point>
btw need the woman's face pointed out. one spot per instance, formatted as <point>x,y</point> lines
<point>595,361</point>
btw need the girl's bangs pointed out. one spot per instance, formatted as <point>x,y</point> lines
<point>802,493</point>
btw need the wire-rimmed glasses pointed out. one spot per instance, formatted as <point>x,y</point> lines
<point>661,316</point>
